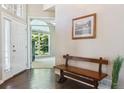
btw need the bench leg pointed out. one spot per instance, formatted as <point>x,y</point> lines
<point>96,84</point>
<point>62,78</point>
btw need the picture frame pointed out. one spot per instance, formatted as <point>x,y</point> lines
<point>84,27</point>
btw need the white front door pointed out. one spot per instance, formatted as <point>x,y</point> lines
<point>14,47</point>
<point>19,47</point>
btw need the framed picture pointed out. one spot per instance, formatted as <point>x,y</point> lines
<point>84,27</point>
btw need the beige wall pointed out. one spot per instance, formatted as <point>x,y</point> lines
<point>110,34</point>
<point>37,11</point>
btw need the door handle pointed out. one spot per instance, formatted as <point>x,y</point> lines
<point>14,50</point>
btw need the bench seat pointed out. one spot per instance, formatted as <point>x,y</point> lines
<point>82,72</point>
<point>86,75</point>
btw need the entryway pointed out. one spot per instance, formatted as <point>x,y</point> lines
<point>42,33</point>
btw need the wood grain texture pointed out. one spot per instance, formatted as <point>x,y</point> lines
<point>83,72</point>
<point>95,75</point>
<point>93,60</point>
<point>40,79</point>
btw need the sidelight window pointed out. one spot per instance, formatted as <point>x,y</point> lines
<point>7,30</point>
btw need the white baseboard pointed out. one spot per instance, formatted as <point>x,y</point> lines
<point>1,81</point>
<point>105,84</point>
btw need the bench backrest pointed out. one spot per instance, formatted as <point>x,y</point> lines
<point>99,61</point>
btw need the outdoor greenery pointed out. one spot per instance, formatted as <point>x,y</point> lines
<point>115,72</point>
<point>41,43</point>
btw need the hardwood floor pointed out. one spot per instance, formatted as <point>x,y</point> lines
<point>40,79</point>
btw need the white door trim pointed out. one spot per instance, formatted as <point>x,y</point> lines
<point>30,38</point>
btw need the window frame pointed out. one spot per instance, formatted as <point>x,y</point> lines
<point>19,9</point>
<point>14,9</point>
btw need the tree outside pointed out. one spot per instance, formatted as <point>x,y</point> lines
<point>41,43</point>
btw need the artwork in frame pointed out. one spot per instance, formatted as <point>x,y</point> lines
<point>84,27</point>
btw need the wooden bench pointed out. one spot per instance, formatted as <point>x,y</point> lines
<point>88,76</point>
